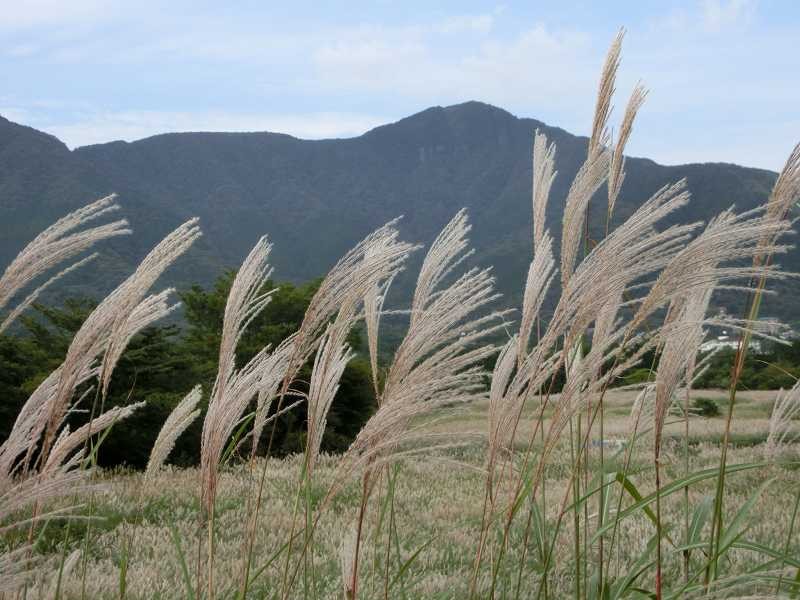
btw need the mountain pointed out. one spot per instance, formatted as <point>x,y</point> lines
<point>316,198</point>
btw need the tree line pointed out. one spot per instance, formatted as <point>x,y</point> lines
<point>164,362</point>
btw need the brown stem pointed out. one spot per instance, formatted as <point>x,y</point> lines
<point>658,518</point>
<point>361,512</point>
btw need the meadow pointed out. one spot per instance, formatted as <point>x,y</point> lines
<point>541,477</point>
<point>435,514</point>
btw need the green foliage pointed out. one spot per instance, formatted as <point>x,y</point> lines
<point>164,362</point>
<point>639,375</point>
<point>204,312</point>
<point>705,407</point>
<point>775,366</point>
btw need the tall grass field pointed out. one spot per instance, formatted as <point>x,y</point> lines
<point>545,475</point>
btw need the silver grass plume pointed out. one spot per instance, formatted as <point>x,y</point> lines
<point>436,364</point>
<point>373,309</point>
<point>584,380</point>
<point>785,194</point>
<point>126,310</point>
<point>329,364</point>
<point>108,323</point>
<point>536,368</point>
<point>183,415</point>
<point>595,171</point>
<point>24,493</point>
<point>540,276</point>
<point>616,176</point>
<point>630,253</point>
<point>518,373</point>
<point>377,258</point>
<point>606,320</point>
<point>437,361</point>
<point>59,243</point>
<point>682,335</point>
<point>503,407</point>
<point>363,275</point>
<point>24,434</point>
<point>642,409</point>
<point>605,92</point>
<point>148,311</point>
<point>225,409</point>
<point>353,279</point>
<point>372,262</point>
<point>706,259</point>
<point>67,442</point>
<point>448,250</point>
<point>347,562</point>
<point>786,190</point>
<point>245,302</point>
<point>785,410</point>
<point>592,174</point>
<point>543,175</point>
<point>267,388</point>
<point>512,384</point>
<point>627,255</point>
<point>234,388</point>
<point>31,421</point>
<point>20,308</point>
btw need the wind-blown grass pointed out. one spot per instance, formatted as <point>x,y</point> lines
<point>463,483</point>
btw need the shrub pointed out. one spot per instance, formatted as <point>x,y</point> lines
<point>705,407</point>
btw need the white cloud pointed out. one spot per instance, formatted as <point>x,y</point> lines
<point>707,17</point>
<point>724,14</point>
<point>22,50</point>
<point>32,13</point>
<point>538,68</point>
<point>471,23</point>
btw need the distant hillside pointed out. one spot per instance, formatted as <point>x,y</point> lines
<point>315,199</point>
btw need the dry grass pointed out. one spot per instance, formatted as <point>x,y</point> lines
<point>439,500</point>
<point>752,415</point>
<point>447,491</point>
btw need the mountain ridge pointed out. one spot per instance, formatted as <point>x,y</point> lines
<point>378,127</point>
<point>316,198</point>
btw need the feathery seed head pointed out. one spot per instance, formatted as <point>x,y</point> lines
<point>543,175</point>
<point>53,246</point>
<point>617,174</point>
<point>183,415</point>
<point>785,411</point>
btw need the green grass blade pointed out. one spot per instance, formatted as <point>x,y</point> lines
<point>679,484</point>
<point>234,441</point>
<point>700,517</point>
<point>409,562</point>
<point>738,524</point>
<point>187,580</point>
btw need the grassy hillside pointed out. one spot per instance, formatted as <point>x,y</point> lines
<point>436,511</point>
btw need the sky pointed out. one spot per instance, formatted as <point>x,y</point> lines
<point>723,75</point>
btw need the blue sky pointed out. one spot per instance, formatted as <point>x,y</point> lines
<point>724,75</point>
